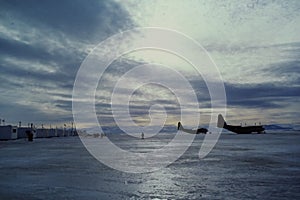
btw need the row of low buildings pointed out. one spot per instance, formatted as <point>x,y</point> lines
<point>9,132</point>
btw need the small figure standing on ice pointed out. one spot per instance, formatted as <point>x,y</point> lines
<point>142,135</point>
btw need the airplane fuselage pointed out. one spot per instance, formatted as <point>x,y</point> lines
<point>239,129</point>
<point>244,129</point>
<point>191,131</point>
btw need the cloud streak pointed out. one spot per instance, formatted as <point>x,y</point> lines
<point>42,45</point>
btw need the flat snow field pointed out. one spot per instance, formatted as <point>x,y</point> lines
<point>265,166</point>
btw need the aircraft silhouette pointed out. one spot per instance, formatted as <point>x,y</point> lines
<point>239,129</point>
<point>191,131</point>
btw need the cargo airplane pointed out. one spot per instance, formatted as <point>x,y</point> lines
<point>191,131</point>
<point>239,129</point>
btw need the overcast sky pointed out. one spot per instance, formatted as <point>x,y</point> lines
<point>254,43</point>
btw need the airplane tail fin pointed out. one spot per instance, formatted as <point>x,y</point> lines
<point>221,121</point>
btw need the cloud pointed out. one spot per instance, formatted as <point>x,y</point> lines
<point>262,96</point>
<point>74,18</point>
<point>42,44</point>
<point>270,102</point>
<point>288,71</point>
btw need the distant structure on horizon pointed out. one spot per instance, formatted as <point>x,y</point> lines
<point>10,132</point>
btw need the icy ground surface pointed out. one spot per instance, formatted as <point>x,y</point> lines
<point>265,166</point>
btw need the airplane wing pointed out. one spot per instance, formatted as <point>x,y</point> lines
<point>189,131</point>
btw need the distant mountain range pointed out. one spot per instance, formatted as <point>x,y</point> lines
<point>286,127</point>
<point>173,129</point>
